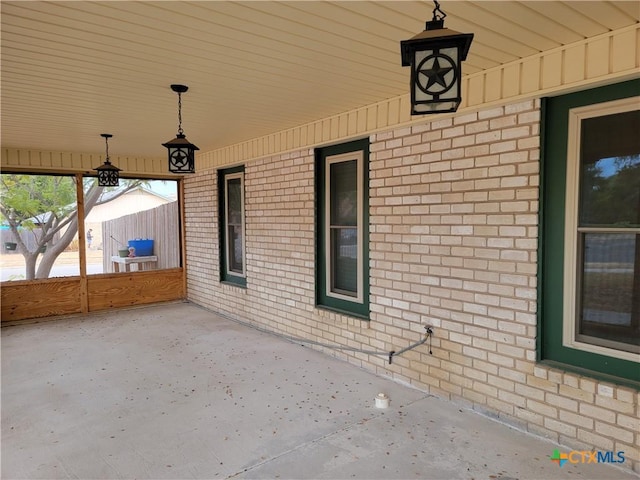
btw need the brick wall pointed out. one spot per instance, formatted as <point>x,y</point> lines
<point>453,214</point>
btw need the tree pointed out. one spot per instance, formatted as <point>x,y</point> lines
<point>611,192</point>
<point>46,204</point>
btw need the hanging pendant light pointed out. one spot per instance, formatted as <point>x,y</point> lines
<point>181,151</point>
<point>108,174</point>
<point>435,56</point>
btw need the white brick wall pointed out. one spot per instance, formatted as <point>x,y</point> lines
<point>453,243</point>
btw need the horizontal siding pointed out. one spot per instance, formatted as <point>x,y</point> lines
<point>76,162</point>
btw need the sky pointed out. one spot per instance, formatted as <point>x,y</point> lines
<point>167,188</point>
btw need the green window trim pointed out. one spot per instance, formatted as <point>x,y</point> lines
<point>553,184</point>
<point>232,272</point>
<point>342,286</point>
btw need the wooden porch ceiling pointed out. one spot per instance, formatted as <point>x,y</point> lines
<point>74,69</point>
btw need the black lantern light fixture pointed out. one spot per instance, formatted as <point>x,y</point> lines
<point>108,174</point>
<point>435,56</point>
<point>181,151</point>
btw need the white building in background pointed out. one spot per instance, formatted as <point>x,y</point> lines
<point>137,200</point>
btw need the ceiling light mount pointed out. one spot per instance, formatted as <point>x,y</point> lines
<point>179,88</point>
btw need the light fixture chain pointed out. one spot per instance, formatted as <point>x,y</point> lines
<point>437,9</point>
<point>180,131</point>
<point>106,141</point>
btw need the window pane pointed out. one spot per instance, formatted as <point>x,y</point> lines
<point>235,248</point>
<point>39,240</point>
<point>231,198</point>
<point>344,253</point>
<point>610,306</point>
<point>344,193</point>
<point>138,210</point>
<point>342,265</point>
<point>234,201</point>
<point>610,170</point>
<point>140,214</point>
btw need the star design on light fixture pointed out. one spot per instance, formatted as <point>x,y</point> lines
<point>436,74</point>
<point>179,158</point>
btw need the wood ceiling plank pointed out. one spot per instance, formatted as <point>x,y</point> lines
<point>71,68</point>
<point>560,13</point>
<point>605,14</point>
<point>511,20</point>
<point>483,34</point>
<point>223,55</point>
<point>102,56</point>
<point>248,37</point>
<point>631,8</point>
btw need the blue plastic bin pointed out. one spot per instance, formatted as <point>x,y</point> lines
<point>144,248</point>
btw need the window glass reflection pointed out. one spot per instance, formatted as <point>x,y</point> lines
<point>610,170</point>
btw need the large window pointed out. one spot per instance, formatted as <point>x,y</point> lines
<point>342,226</point>
<point>40,234</point>
<point>232,236</point>
<point>38,227</point>
<point>603,228</point>
<point>590,269</point>
<point>132,227</point>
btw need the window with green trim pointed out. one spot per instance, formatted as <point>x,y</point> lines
<point>232,225</point>
<point>342,261</point>
<point>590,235</point>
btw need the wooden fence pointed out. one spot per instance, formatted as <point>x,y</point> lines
<point>160,224</point>
<point>29,238</point>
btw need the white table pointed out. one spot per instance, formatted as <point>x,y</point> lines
<point>143,263</point>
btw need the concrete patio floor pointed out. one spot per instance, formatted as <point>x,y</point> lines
<point>174,391</point>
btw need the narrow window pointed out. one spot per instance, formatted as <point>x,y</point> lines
<point>343,226</point>
<point>342,269</point>
<point>232,226</point>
